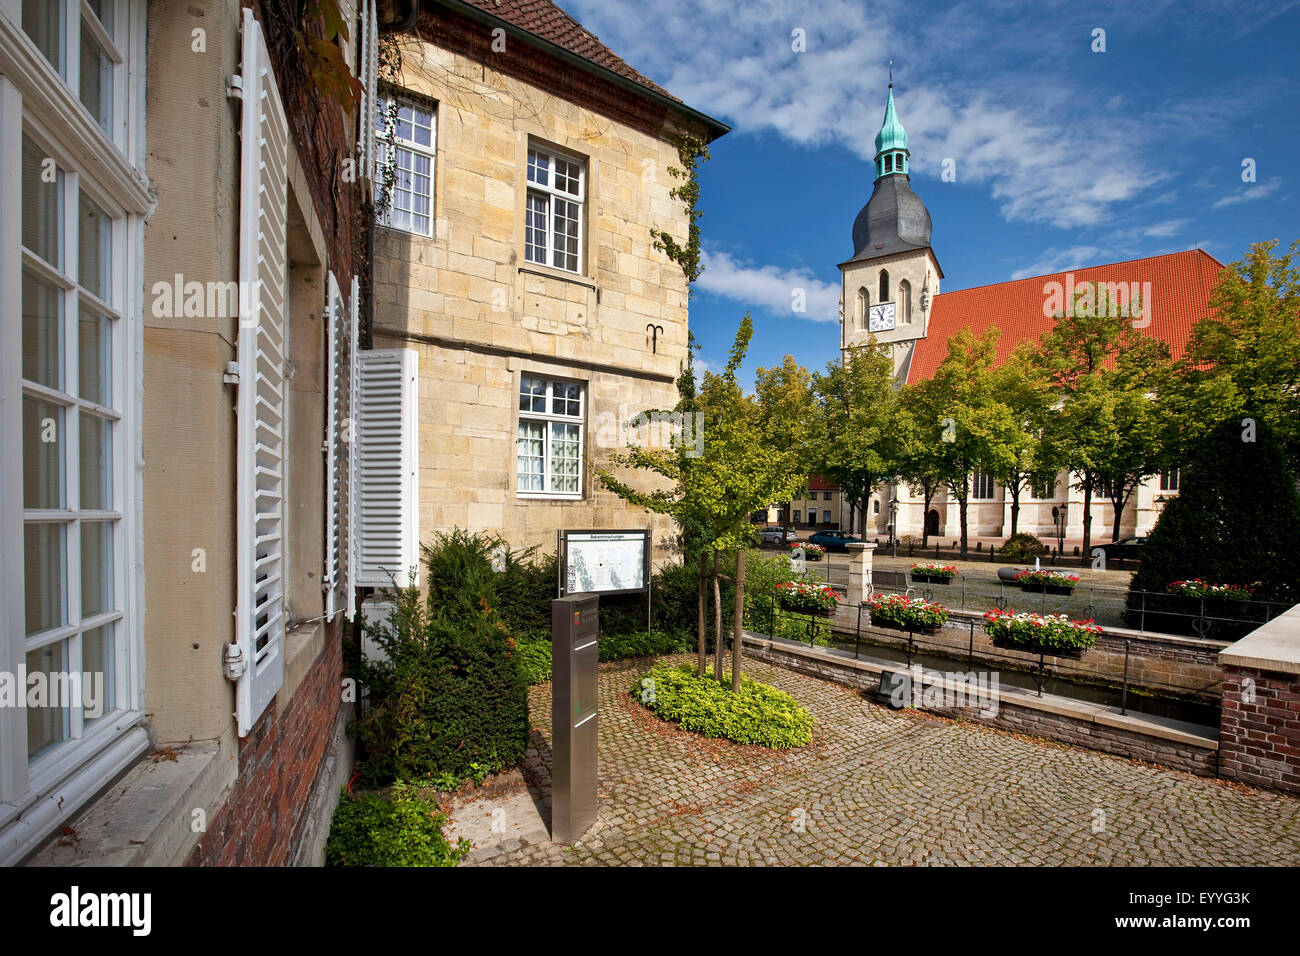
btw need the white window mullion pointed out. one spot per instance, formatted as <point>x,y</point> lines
<point>13,720</point>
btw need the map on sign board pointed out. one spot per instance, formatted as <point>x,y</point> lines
<point>605,561</point>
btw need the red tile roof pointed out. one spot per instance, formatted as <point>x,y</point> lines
<point>818,483</point>
<point>1180,297</point>
<point>544,19</point>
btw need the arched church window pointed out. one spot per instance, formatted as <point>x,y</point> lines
<point>884,285</point>
<point>889,162</point>
<point>863,303</point>
<point>905,301</point>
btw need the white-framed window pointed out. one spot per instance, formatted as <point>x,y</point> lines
<point>1169,479</point>
<point>412,129</point>
<point>71,240</point>
<point>81,41</point>
<point>549,449</point>
<point>981,485</point>
<point>553,215</point>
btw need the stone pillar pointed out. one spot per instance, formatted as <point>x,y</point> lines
<point>859,572</point>
<point>1259,740</point>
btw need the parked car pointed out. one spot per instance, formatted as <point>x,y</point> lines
<point>777,536</point>
<point>833,540</point>
<point>1124,548</point>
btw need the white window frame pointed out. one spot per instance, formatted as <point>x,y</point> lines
<point>39,99</point>
<point>1171,479</point>
<point>982,478</point>
<point>388,144</point>
<point>547,417</point>
<point>551,192</point>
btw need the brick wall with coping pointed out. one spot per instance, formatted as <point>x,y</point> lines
<point>1180,754</point>
<point>282,762</point>
<point>1260,728</point>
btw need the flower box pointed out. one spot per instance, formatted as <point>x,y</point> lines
<point>1049,582</point>
<point>803,597</point>
<point>903,613</point>
<point>811,552</point>
<point>1053,634</point>
<point>1197,589</point>
<point>934,573</point>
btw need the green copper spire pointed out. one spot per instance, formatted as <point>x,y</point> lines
<point>891,141</point>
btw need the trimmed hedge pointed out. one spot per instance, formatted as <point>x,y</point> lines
<point>402,828</point>
<point>1226,528</point>
<point>450,702</point>
<point>535,655</point>
<point>760,714</point>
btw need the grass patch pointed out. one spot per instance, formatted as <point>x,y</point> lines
<point>760,714</point>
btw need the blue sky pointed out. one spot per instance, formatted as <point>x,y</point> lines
<point>1064,157</point>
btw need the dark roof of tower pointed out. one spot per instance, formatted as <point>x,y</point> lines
<point>893,220</point>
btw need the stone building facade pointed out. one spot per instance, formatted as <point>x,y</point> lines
<point>518,262</point>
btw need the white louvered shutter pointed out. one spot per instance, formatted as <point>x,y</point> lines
<point>338,411</point>
<point>349,436</point>
<point>369,65</point>
<point>263,265</point>
<point>387,490</point>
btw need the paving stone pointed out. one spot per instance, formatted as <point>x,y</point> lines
<point>878,787</point>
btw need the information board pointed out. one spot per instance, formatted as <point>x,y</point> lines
<point>606,562</point>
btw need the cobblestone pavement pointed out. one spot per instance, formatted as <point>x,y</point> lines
<point>880,787</point>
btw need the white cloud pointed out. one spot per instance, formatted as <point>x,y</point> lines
<point>1060,260</point>
<point>771,288</point>
<point>1161,230</point>
<point>1043,150</point>
<point>1247,193</point>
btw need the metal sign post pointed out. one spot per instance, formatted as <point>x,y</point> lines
<point>575,654</point>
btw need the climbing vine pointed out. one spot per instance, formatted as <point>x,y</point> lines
<point>691,151</point>
<point>388,68</point>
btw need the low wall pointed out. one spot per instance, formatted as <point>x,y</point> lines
<point>1095,726</point>
<point>1188,666</point>
<point>1260,723</point>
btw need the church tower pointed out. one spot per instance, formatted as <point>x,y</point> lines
<point>893,276</point>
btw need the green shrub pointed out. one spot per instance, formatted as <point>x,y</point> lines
<point>459,570</point>
<point>402,828</point>
<point>1022,547</point>
<point>759,714</point>
<point>1235,520</point>
<point>535,655</point>
<point>617,647</point>
<point>535,660</point>
<point>451,699</point>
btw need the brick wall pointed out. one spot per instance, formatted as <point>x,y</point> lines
<point>1259,738</point>
<point>280,764</point>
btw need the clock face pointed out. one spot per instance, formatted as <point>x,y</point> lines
<point>882,317</point>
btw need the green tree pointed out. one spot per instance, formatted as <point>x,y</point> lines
<point>922,463</point>
<point>744,464</point>
<point>1098,364</point>
<point>787,406</point>
<point>1246,354</point>
<point>860,445</point>
<point>1021,383</point>
<point>976,429</point>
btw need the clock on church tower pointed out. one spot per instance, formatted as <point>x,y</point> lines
<point>882,318</point>
<point>893,276</point>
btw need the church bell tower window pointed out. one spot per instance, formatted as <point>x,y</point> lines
<point>884,285</point>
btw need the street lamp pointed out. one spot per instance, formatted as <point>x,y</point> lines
<point>1058,517</point>
<point>893,522</point>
